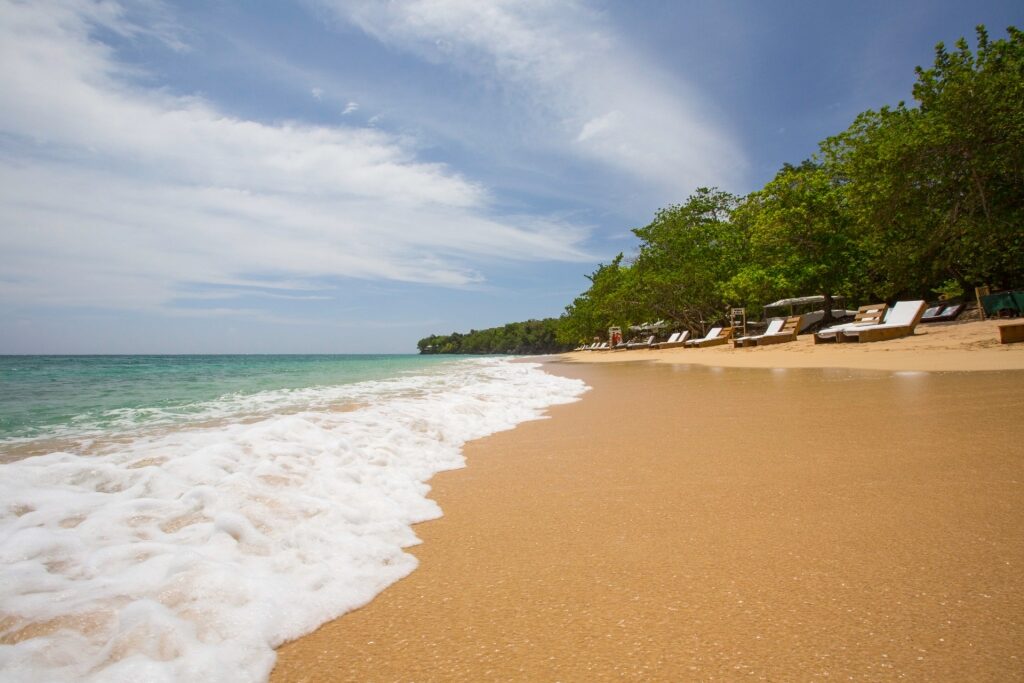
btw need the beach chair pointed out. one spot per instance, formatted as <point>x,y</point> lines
<point>900,321</point>
<point>714,337</point>
<point>787,333</point>
<point>645,344</point>
<point>751,340</point>
<point>870,314</point>
<point>940,314</point>
<point>676,339</point>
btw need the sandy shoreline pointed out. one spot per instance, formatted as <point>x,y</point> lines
<point>684,522</point>
<point>970,346</point>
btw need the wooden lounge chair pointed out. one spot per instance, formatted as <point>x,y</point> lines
<point>790,328</point>
<point>645,344</point>
<point>751,340</point>
<point>900,321</point>
<point>714,337</point>
<point>676,339</point>
<point>939,314</point>
<point>870,314</point>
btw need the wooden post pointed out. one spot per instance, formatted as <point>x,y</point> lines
<point>978,293</point>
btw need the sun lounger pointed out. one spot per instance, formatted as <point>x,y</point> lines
<point>714,337</point>
<point>790,329</point>
<point>939,314</point>
<point>751,340</point>
<point>645,344</point>
<point>870,314</point>
<point>676,339</point>
<point>900,321</point>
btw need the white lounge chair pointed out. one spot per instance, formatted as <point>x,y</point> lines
<point>791,327</point>
<point>645,344</point>
<point>900,321</point>
<point>676,339</point>
<point>751,339</point>
<point>870,314</point>
<point>714,337</point>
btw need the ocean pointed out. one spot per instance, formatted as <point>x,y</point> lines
<point>169,518</point>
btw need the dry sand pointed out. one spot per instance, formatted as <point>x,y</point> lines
<point>685,522</point>
<point>940,346</point>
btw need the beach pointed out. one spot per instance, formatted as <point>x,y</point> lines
<point>810,512</point>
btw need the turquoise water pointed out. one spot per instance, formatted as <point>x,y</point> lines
<point>155,503</point>
<point>66,396</point>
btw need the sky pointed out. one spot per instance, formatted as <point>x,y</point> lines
<point>349,176</point>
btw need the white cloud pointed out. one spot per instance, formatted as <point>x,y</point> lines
<point>317,93</point>
<point>350,108</point>
<point>115,195</point>
<point>584,86</point>
<point>598,126</point>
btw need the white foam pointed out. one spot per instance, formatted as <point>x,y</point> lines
<point>192,554</point>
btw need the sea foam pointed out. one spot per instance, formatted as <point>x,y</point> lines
<point>192,554</point>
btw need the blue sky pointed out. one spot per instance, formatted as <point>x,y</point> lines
<point>333,176</point>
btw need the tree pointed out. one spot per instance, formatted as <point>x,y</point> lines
<point>607,302</point>
<point>685,256</point>
<point>800,239</point>
<point>937,191</point>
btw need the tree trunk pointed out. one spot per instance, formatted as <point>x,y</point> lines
<point>826,318</point>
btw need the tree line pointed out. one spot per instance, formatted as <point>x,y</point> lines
<point>530,337</point>
<point>909,201</point>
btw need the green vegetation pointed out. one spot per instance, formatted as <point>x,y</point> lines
<point>907,202</point>
<point>532,336</point>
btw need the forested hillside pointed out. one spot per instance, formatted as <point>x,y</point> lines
<point>909,201</point>
<point>530,337</point>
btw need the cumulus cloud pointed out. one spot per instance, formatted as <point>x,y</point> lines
<point>583,84</point>
<point>112,194</point>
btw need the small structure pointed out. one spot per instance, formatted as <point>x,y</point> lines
<point>738,321</point>
<point>614,336</point>
<point>1011,332</point>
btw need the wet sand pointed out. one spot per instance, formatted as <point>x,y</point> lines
<point>685,523</point>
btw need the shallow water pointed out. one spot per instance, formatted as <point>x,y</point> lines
<point>205,509</point>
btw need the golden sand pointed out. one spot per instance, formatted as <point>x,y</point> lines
<point>939,346</point>
<point>685,522</point>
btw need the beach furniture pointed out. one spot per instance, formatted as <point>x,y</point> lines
<point>812,308</point>
<point>676,339</point>
<point>941,313</point>
<point>869,314</point>
<point>1011,332</point>
<point>645,344</point>
<point>751,340</point>
<point>900,321</point>
<point>790,329</point>
<point>714,337</point>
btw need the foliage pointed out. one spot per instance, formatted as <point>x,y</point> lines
<point>685,255</point>
<point>937,191</point>
<point>530,337</point>
<point>800,239</point>
<point>607,299</point>
<point>906,201</point>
